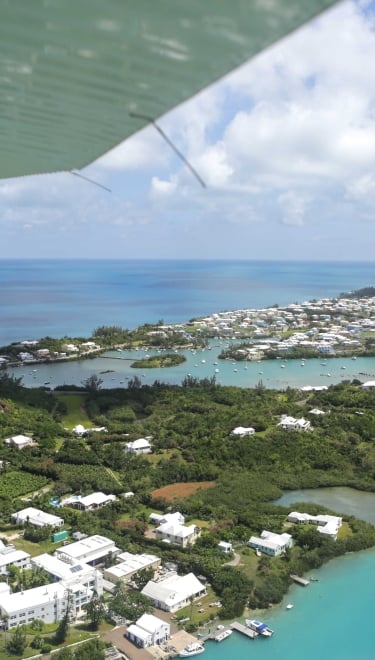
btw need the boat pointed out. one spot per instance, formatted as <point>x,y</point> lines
<point>289,606</point>
<point>223,635</point>
<point>196,648</point>
<point>259,627</point>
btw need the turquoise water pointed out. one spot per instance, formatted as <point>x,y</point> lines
<point>239,374</point>
<point>331,620</point>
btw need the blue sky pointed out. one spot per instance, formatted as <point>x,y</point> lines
<point>286,145</point>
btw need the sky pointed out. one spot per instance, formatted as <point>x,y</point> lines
<point>285,145</point>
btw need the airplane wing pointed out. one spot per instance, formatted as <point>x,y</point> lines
<point>74,72</point>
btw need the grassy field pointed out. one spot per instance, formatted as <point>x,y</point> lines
<point>201,611</point>
<point>76,412</point>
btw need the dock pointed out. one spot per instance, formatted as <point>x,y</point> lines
<point>244,630</point>
<point>300,580</point>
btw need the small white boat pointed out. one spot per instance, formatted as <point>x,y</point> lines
<point>223,635</point>
<point>192,649</point>
<point>289,606</point>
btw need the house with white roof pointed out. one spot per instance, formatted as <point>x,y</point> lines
<point>242,431</point>
<point>174,592</point>
<point>270,543</point>
<point>91,550</point>
<point>129,565</point>
<point>88,502</point>
<point>182,535</point>
<point>225,547</point>
<point>140,446</point>
<point>325,524</point>
<point>36,517</point>
<point>292,424</point>
<point>70,574</point>
<point>20,441</point>
<point>47,603</point>
<point>149,630</point>
<point>9,556</point>
<point>159,518</point>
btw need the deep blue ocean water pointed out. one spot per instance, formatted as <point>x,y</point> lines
<point>72,297</point>
<point>331,619</point>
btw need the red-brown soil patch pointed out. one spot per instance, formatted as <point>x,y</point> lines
<point>177,491</point>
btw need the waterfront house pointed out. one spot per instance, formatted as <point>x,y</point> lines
<point>270,543</point>
<point>148,630</point>
<point>36,517</point>
<point>325,524</point>
<point>174,592</point>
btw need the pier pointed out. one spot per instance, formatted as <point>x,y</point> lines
<point>300,580</point>
<point>244,630</point>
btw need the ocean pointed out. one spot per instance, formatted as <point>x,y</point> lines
<point>72,297</point>
<point>332,619</point>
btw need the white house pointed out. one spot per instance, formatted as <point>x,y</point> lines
<point>174,592</point>
<point>161,518</point>
<point>70,575</point>
<point>325,524</point>
<point>242,431</point>
<point>91,550</point>
<point>271,544</point>
<point>9,556</point>
<point>20,441</point>
<point>36,517</point>
<point>182,535</point>
<point>140,446</point>
<point>88,502</point>
<point>130,565</point>
<point>149,630</point>
<point>225,547</point>
<point>48,603</point>
<point>291,424</point>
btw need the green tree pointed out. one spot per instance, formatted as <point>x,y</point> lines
<point>95,610</point>
<point>17,643</point>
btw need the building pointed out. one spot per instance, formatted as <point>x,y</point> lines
<point>271,544</point>
<point>182,535</point>
<point>160,519</point>
<point>47,603</point>
<point>140,446</point>
<point>20,441</point>
<point>91,550</point>
<point>325,524</point>
<point>88,502</point>
<point>174,592</point>
<point>148,631</point>
<point>130,565</point>
<point>242,431</point>
<point>291,424</point>
<point>36,517</point>
<point>225,547</point>
<point>9,556</point>
<point>60,571</point>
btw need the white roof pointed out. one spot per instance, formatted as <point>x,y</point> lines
<point>243,430</point>
<point>87,546</point>
<point>60,568</point>
<point>138,632</point>
<point>174,589</point>
<point>38,517</point>
<point>141,443</point>
<point>19,439</point>
<point>9,555</point>
<point>150,623</point>
<point>23,599</point>
<point>176,529</point>
<point>96,498</point>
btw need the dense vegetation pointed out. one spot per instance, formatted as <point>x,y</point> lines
<point>158,361</point>
<point>191,427</point>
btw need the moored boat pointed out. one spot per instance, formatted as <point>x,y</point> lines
<point>259,627</point>
<point>196,648</point>
<point>223,635</point>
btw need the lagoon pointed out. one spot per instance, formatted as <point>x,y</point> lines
<point>340,499</point>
